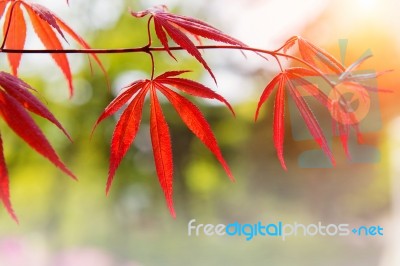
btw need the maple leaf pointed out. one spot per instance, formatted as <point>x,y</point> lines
<point>128,124</point>
<point>46,26</point>
<point>290,80</point>
<point>314,55</point>
<point>178,27</point>
<point>16,100</point>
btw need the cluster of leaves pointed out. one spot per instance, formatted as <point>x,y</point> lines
<point>16,97</point>
<point>321,64</point>
<point>16,100</point>
<point>128,124</point>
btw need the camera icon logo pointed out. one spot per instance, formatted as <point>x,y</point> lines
<point>365,110</point>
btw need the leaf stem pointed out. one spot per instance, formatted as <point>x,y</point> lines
<point>279,62</point>
<point>153,65</point>
<point>148,31</point>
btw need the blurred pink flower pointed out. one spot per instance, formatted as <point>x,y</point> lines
<point>19,252</point>
<point>16,251</point>
<point>83,257</point>
<point>87,257</point>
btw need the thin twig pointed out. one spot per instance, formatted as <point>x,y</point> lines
<point>148,49</point>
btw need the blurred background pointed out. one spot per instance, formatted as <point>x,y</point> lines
<point>67,223</point>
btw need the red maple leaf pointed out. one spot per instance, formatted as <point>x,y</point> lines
<point>290,80</point>
<point>47,26</point>
<point>178,27</point>
<point>16,100</point>
<point>129,122</point>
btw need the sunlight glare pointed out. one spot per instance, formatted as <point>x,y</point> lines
<point>367,5</point>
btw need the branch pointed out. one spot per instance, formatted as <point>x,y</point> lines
<point>149,49</point>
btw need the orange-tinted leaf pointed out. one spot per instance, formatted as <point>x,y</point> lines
<point>195,121</point>
<point>314,55</point>
<point>326,62</point>
<point>162,150</point>
<point>4,184</point>
<point>50,41</point>
<point>125,133</point>
<point>24,126</point>
<point>15,24</point>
